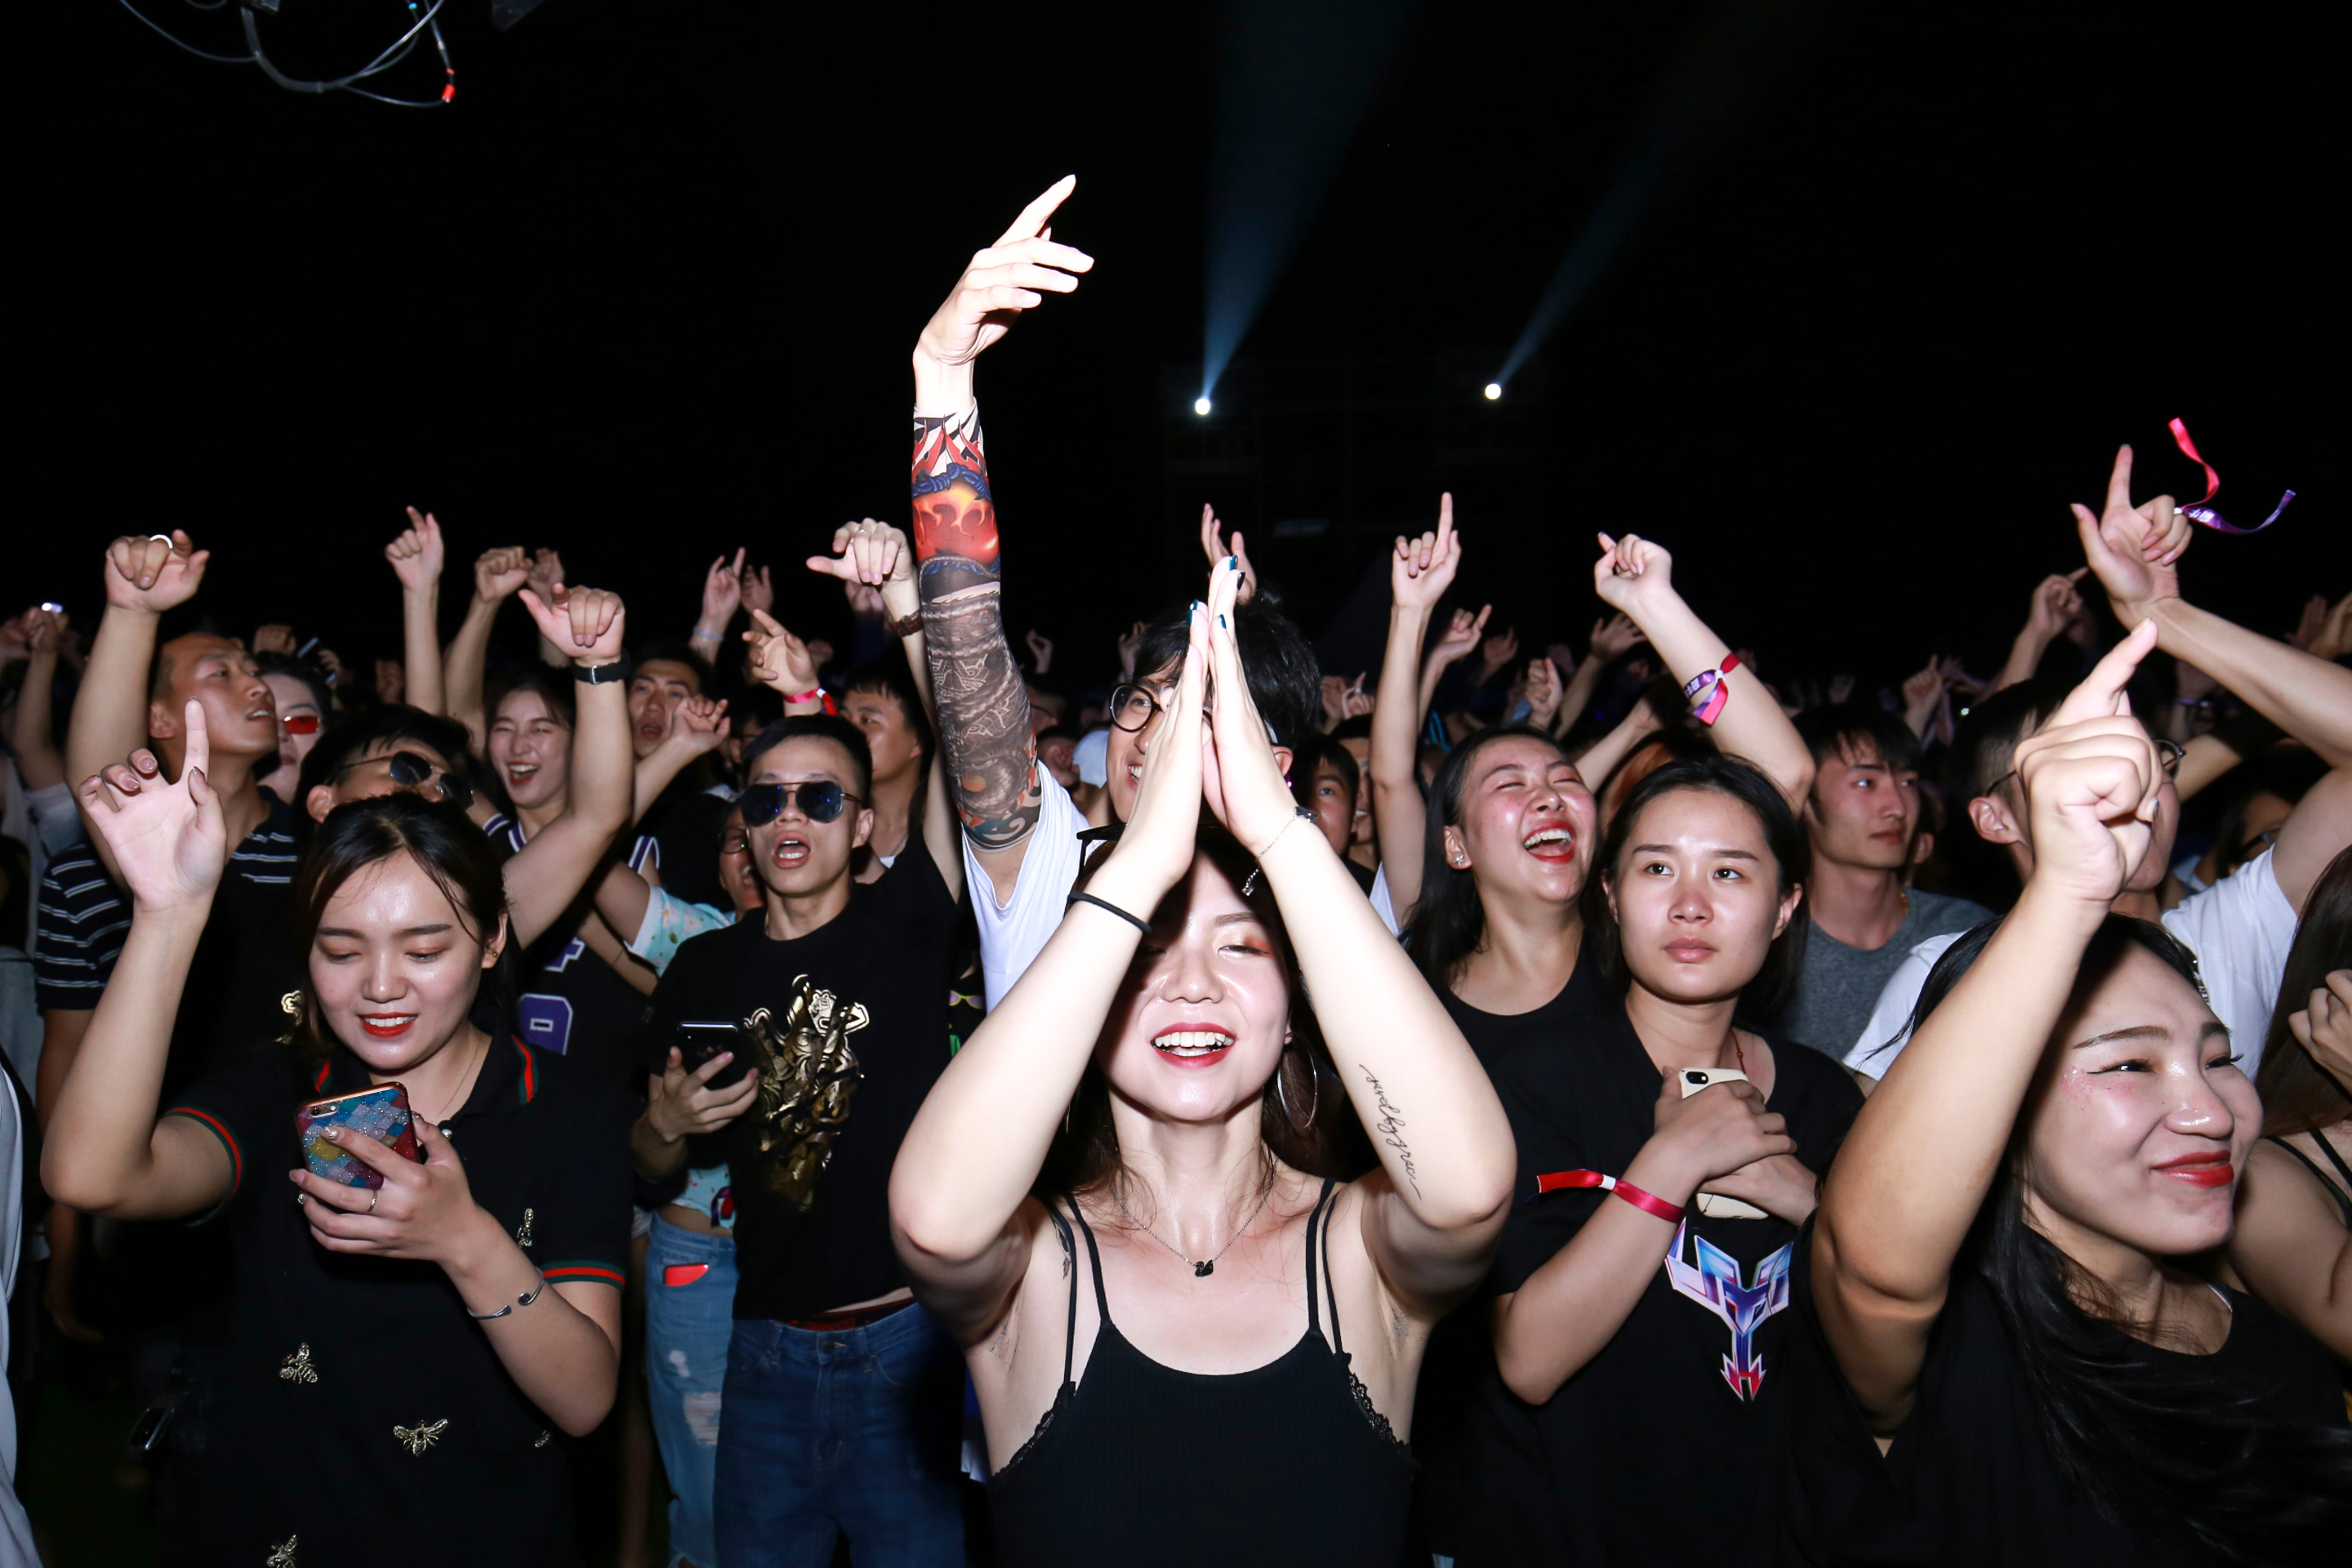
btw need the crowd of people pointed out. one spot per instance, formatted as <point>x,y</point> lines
<point>1634,1105</point>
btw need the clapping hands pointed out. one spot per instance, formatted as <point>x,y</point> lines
<point>1217,549</point>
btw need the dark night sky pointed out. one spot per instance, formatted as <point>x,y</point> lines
<point>647,290</point>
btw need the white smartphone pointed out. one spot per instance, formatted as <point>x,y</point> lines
<point>1714,1205</point>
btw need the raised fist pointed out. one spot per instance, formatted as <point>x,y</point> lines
<point>416,554</point>
<point>155,573</point>
<point>500,573</point>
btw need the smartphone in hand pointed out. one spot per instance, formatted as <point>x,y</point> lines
<point>698,1042</point>
<point>381,1114</point>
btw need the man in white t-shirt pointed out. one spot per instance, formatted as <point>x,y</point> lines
<point>2241,928</point>
<point>1021,830</point>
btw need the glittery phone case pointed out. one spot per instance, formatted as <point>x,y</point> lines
<point>381,1114</point>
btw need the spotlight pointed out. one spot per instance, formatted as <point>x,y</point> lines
<point>1201,406</point>
<point>1494,391</point>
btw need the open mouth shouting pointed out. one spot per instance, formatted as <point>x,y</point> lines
<point>1555,844</point>
<point>520,774</point>
<point>790,853</point>
<point>386,1025</point>
<point>1193,1045</point>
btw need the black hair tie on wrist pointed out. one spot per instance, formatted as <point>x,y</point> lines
<point>1143,926</point>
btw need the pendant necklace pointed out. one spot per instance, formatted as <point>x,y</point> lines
<point>1203,1267</point>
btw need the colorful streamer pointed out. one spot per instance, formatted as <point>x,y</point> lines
<point>2200,512</point>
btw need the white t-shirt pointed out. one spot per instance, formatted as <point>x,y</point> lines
<point>1011,937</point>
<point>2240,928</point>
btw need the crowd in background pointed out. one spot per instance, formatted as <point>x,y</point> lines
<point>949,1098</point>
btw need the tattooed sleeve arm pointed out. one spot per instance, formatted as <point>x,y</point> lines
<point>983,704</point>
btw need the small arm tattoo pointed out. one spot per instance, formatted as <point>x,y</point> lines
<point>982,701</point>
<point>1390,1129</point>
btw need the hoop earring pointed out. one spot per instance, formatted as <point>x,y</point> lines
<point>1282,1092</point>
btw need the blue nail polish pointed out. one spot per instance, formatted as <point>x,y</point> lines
<point>1234,561</point>
<point>1220,621</point>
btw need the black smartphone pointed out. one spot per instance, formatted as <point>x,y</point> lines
<point>698,1042</point>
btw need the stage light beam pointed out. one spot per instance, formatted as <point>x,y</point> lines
<point>1201,405</point>
<point>1493,391</point>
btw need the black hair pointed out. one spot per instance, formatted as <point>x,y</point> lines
<point>552,687</point>
<point>1355,727</point>
<point>1285,681</point>
<point>309,671</point>
<point>2166,1455</point>
<point>671,651</point>
<point>1086,1154</point>
<point>819,727</point>
<point>1984,751</point>
<point>1445,926</point>
<point>1056,732</point>
<point>890,676</point>
<point>346,741</point>
<point>2297,1096</point>
<point>1774,984</point>
<point>1843,729</point>
<point>444,843</point>
<point>1317,752</point>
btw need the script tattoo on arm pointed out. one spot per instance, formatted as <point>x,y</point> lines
<point>982,701</point>
<point>1390,1129</point>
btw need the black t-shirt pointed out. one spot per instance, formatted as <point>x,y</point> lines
<point>856,1030</point>
<point>329,1354</point>
<point>245,963</point>
<point>572,1002</point>
<point>1490,1033</point>
<point>1969,1478</point>
<point>1667,1446</point>
<point>679,837</point>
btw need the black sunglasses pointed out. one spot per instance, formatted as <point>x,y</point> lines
<point>820,800</point>
<point>409,770</point>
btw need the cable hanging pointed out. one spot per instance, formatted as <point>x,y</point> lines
<point>426,22</point>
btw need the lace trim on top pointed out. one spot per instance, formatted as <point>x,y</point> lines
<point>1061,1399</point>
<point>1380,1423</point>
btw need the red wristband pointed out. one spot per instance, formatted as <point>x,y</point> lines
<point>1648,1203</point>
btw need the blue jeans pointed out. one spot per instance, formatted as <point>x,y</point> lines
<point>688,1326</point>
<point>850,1433</point>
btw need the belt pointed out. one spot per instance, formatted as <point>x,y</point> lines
<point>838,1323</point>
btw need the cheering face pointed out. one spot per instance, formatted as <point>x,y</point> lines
<point>1697,897</point>
<point>894,743</point>
<point>1334,806</point>
<point>241,711</point>
<point>2141,1119</point>
<point>737,874</point>
<point>531,747</point>
<point>395,965</point>
<point>1862,812</point>
<point>796,855</point>
<point>1527,824</point>
<point>299,722</point>
<point>1200,1022</point>
<point>1123,757</point>
<point>655,692</point>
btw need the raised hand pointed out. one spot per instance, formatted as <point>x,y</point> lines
<point>2091,781</point>
<point>1841,687</point>
<point>1335,701</point>
<point>1355,699</point>
<point>2057,604</point>
<point>698,724</point>
<point>168,841</point>
<point>2116,543</point>
<point>154,573</point>
<point>779,659</point>
<point>1423,569</point>
<point>1631,572</point>
<point>500,573</point>
<point>1461,637</point>
<point>1615,636</point>
<point>1041,652</point>
<point>416,556</point>
<point>545,577</point>
<point>390,680</point>
<point>759,589</point>
<point>1217,549</point>
<point>1542,693</point>
<point>43,629</point>
<point>585,623</point>
<point>274,638</point>
<point>1156,849</point>
<point>1014,275</point>
<point>868,553</point>
<point>1240,776</point>
<point>330,662</point>
<point>1497,651</point>
<point>722,592</point>
<point>2334,639</point>
<point>2324,1026</point>
<point>865,601</point>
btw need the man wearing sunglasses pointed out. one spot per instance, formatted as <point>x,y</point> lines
<point>304,701</point>
<point>839,993</point>
<point>2241,929</point>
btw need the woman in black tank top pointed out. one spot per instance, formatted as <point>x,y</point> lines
<point>1233,1383</point>
<point>2294,1207</point>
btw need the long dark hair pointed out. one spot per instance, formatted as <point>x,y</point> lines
<point>2297,1097</point>
<point>1447,923</point>
<point>1086,1154</point>
<point>1769,991</point>
<point>447,846</point>
<point>2166,1455</point>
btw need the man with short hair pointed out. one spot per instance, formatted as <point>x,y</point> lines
<point>1021,828</point>
<point>675,833</point>
<point>1863,816</point>
<point>2240,928</point>
<point>879,698</point>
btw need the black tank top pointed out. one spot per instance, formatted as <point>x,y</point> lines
<point>2337,1190</point>
<point>1143,1465</point>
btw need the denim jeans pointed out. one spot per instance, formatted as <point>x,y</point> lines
<point>688,1326</point>
<point>849,1433</point>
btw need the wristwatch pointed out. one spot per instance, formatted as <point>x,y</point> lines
<point>600,674</point>
<point>903,626</point>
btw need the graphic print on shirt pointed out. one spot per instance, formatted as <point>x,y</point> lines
<point>546,1019</point>
<point>808,1076</point>
<point>1716,1284</point>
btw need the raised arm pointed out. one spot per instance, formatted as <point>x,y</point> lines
<point>144,577</point>
<point>1420,571</point>
<point>697,727</point>
<point>1636,576</point>
<point>2056,604</point>
<point>497,575</point>
<point>106,1151</point>
<point>416,557</point>
<point>983,705</point>
<point>543,878</point>
<point>722,594</point>
<point>1915,1168</point>
<point>36,754</point>
<point>1612,637</point>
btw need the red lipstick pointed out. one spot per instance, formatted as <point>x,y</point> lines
<point>2212,1170</point>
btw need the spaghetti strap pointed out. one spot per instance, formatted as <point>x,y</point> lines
<point>2320,1136</point>
<point>1093,1260</point>
<point>2342,1194</point>
<point>1069,1254</point>
<point>1318,1223</point>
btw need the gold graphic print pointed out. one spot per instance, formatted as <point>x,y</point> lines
<point>297,1368</point>
<point>421,1437</point>
<point>282,1555</point>
<point>808,1075</point>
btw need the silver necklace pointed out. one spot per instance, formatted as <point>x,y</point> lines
<point>1201,1268</point>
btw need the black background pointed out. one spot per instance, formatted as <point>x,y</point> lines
<point>647,289</point>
